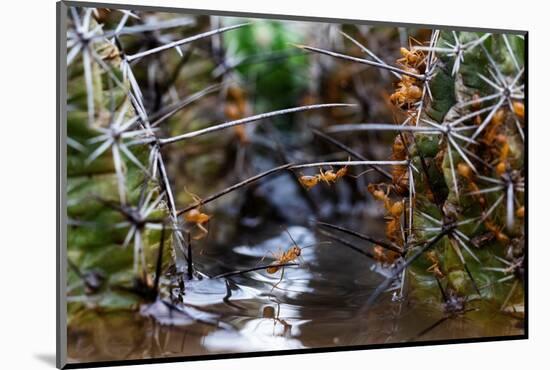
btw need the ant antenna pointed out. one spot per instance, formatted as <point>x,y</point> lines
<point>316,244</point>
<point>291,238</point>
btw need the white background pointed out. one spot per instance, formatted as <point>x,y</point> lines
<point>27,196</point>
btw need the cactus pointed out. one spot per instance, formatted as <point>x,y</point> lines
<point>463,183</point>
<point>123,220</point>
<point>111,246</point>
<point>453,189</point>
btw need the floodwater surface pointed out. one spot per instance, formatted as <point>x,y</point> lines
<point>319,303</point>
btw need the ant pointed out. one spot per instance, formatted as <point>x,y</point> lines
<point>519,109</point>
<point>197,217</point>
<point>394,211</point>
<point>400,173</point>
<point>283,257</point>
<point>494,128</point>
<point>411,57</point>
<point>498,142</point>
<point>431,256</point>
<point>287,256</point>
<point>483,239</point>
<point>408,92</point>
<point>328,177</point>
<point>476,105</point>
<point>308,182</point>
<point>520,212</point>
<point>503,153</point>
<point>384,256</point>
<point>236,107</point>
<point>466,172</point>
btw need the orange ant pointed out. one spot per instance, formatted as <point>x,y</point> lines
<point>240,131</point>
<point>519,109</point>
<point>492,131</point>
<point>195,216</point>
<point>394,211</point>
<point>383,256</point>
<point>328,177</point>
<point>379,254</point>
<point>503,155</point>
<point>343,171</point>
<point>407,92</point>
<point>331,176</point>
<point>284,257</point>
<point>520,212</point>
<point>393,230</point>
<point>497,231</point>
<point>476,106</point>
<point>466,171</point>
<point>236,108</point>
<point>287,256</point>
<point>400,174</point>
<point>411,57</point>
<point>232,111</point>
<point>308,182</point>
<point>434,268</point>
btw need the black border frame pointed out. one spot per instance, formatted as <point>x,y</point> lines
<point>61,321</point>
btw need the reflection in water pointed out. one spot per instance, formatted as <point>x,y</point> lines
<point>317,304</point>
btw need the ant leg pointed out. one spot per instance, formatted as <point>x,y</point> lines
<point>332,171</point>
<point>291,238</point>
<point>361,174</point>
<point>281,279</point>
<point>321,176</point>
<point>207,230</point>
<point>195,197</point>
<point>263,258</point>
<point>203,232</point>
<point>276,318</point>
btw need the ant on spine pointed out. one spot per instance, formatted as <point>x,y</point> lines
<point>196,217</point>
<point>328,177</point>
<point>394,210</point>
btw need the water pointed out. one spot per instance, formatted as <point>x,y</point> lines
<point>316,304</point>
